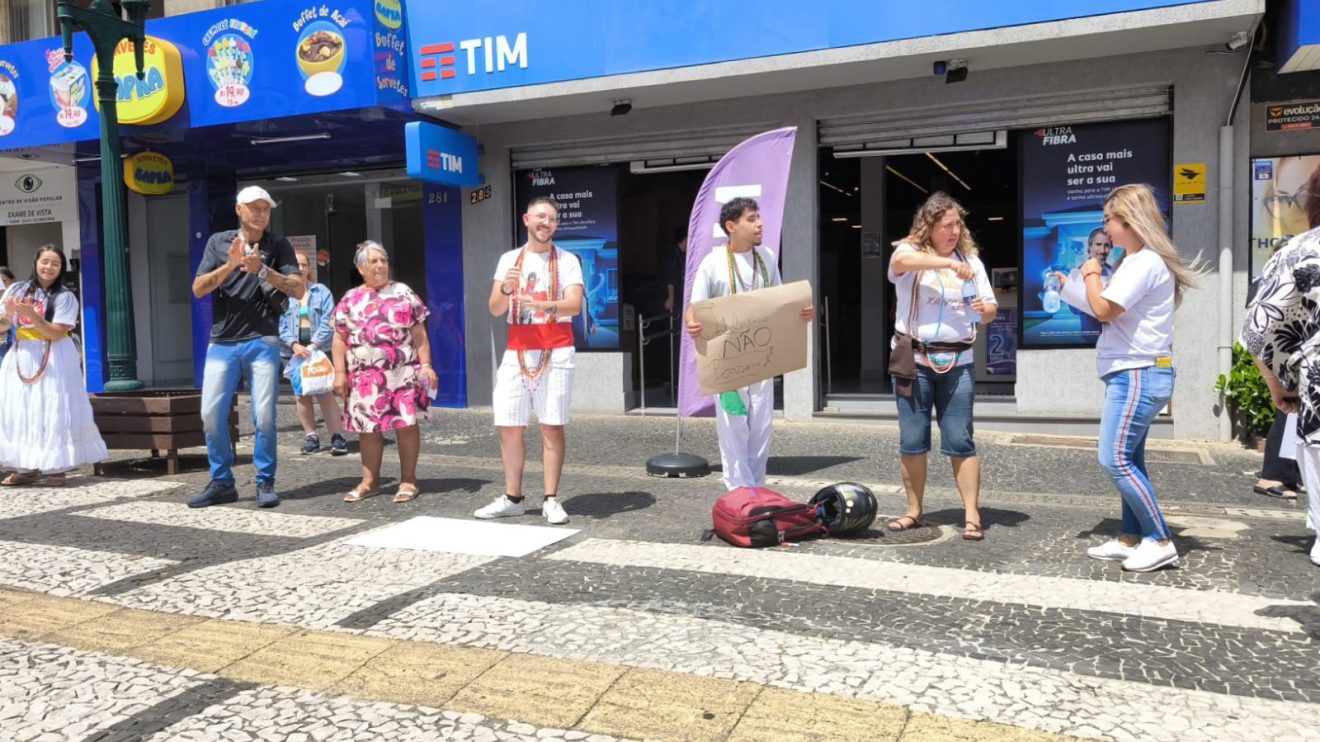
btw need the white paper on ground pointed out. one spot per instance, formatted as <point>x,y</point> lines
<point>455,536</point>
<point>1288,446</point>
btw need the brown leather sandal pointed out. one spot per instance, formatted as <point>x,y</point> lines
<point>973,532</point>
<point>897,524</point>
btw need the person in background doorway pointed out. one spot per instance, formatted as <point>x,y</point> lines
<point>250,270</point>
<point>743,416</point>
<point>1282,332</point>
<point>536,372</point>
<point>933,269</point>
<point>305,327</point>
<point>46,425</point>
<point>1135,359</point>
<point>675,266</point>
<point>7,337</point>
<point>382,358</point>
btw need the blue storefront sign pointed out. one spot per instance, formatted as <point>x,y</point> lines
<point>484,46</point>
<point>440,155</point>
<point>254,62</point>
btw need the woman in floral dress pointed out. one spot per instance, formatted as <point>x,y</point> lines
<point>383,371</point>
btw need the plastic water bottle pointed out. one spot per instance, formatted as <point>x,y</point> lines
<point>1051,300</point>
<point>968,296</point>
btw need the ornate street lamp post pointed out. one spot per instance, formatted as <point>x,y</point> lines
<point>106,28</point>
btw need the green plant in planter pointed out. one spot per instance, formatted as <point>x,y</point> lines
<point>1243,389</point>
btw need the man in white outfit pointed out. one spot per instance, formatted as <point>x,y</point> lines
<point>743,416</point>
<point>538,288</point>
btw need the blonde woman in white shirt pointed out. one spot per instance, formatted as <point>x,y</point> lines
<point>1135,359</point>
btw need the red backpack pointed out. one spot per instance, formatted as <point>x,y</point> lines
<point>756,516</point>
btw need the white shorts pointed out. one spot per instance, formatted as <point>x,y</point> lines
<point>515,397</point>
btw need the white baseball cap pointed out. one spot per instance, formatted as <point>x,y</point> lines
<point>255,193</point>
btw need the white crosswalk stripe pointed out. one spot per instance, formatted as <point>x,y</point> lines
<point>1150,601</point>
<point>231,520</point>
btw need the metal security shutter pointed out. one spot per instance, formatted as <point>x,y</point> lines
<point>671,147</point>
<point>897,128</point>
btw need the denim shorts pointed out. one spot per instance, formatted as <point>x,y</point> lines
<point>950,395</point>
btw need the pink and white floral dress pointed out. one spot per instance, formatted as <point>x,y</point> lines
<point>385,390</point>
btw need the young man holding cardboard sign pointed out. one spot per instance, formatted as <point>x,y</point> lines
<point>743,416</point>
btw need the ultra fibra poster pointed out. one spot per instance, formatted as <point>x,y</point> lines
<point>1066,173</point>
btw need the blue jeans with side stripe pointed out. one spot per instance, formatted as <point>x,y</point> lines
<point>1133,397</point>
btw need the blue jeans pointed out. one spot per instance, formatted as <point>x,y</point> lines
<point>951,395</point>
<point>1132,400</point>
<point>256,361</point>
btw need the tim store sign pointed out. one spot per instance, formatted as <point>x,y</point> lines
<point>485,55</point>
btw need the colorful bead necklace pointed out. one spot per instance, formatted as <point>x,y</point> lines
<point>758,268</point>
<point>534,375</point>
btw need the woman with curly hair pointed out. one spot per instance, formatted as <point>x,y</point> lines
<point>382,359</point>
<point>943,295</point>
<point>1135,359</point>
<point>1282,332</point>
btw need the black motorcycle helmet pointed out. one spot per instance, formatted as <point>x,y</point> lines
<point>846,508</point>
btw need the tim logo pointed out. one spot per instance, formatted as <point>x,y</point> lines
<point>1055,135</point>
<point>489,54</point>
<point>437,160</point>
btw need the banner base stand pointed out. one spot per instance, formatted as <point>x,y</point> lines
<point>677,465</point>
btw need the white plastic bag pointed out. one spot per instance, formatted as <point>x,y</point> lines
<point>313,376</point>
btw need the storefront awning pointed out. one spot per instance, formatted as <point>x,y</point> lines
<point>483,63</point>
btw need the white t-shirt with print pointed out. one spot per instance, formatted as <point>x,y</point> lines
<point>66,305</point>
<point>712,278</point>
<point>534,285</point>
<point>942,316</point>
<point>1143,286</point>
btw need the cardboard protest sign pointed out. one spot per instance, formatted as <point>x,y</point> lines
<point>746,338</point>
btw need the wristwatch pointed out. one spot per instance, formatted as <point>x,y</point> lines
<point>263,272</point>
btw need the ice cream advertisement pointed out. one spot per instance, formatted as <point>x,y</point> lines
<point>229,61</point>
<point>321,50</point>
<point>8,98</point>
<point>70,90</point>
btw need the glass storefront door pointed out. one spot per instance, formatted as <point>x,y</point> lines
<point>328,214</point>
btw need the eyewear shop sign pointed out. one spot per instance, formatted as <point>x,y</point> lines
<point>250,62</point>
<point>1066,173</point>
<point>588,228</point>
<point>38,196</point>
<point>1278,203</point>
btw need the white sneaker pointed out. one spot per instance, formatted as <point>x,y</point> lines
<point>1315,552</point>
<point>501,507</point>
<point>1112,550</point>
<point>1150,556</point>
<point>553,511</point>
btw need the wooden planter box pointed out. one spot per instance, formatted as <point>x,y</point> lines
<point>156,419</point>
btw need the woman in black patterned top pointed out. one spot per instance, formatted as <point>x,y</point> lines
<point>1282,332</point>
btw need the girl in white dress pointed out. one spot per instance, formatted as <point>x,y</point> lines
<point>46,425</point>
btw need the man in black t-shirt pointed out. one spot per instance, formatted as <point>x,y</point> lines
<point>251,272</point>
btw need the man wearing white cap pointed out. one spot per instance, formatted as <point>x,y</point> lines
<point>251,271</point>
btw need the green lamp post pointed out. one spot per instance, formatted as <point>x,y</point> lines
<point>106,28</point>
